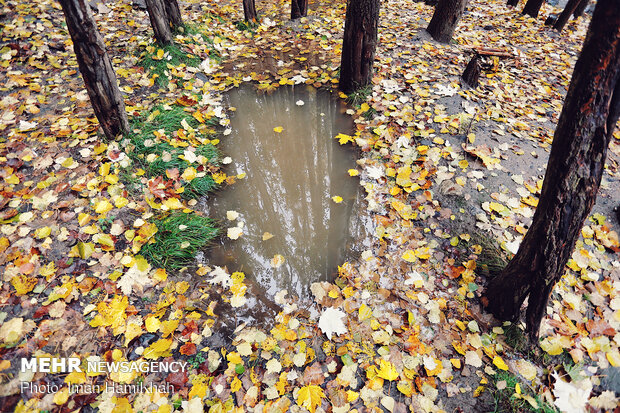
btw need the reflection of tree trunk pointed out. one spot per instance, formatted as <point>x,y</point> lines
<point>513,3</point>
<point>95,68</point>
<point>573,176</point>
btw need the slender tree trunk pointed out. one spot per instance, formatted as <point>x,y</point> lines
<point>173,11</point>
<point>159,21</point>
<point>299,8</point>
<point>573,176</point>
<point>581,8</point>
<point>565,15</point>
<point>445,18</point>
<point>249,11</point>
<point>358,44</point>
<point>96,68</point>
<point>513,3</point>
<point>532,7</point>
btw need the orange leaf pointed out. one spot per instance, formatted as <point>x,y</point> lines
<point>188,349</point>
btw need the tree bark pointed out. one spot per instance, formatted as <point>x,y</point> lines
<point>445,18</point>
<point>96,68</point>
<point>565,15</point>
<point>532,7</point>
<point>159,21</point>
<point>581,8</point>
<point>573,176</point>
<point>358,44</point>
<point>249,11</point>
<point>513,3</point>
<point>299,8</point>
<point>173,11</point>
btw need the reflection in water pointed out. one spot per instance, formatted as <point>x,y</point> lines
<point>291,178</point>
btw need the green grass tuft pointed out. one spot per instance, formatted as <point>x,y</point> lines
<point>173,55</point>
<point>359,96</point>
<point>507,400</point>
<point>143,142</point>
<point>179,236</point>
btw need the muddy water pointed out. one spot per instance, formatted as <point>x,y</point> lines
<point>287,192</point>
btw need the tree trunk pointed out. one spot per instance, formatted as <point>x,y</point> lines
<point>96,68</point>
<point>471,75</point>
<point>299,8</point>
<point>581,8</point>
<point>573,176</point>
<point>445,18</point>
<point>565,15</point>
<point>532,7</point>
<point>159,21</point>
<point>173,11</point>
<point>513,3</point>
<point>249,11</point>
<point>358,44</point>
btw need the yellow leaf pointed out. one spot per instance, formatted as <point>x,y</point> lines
<point>168,327</point>
<point>160,348</point>
<point>22,284</point>
<point>61,396</point>
<point>364,313</point>
<point>267,236</point>
<point>159,55</point>
<point>278,129</point>
<point>337,199</point>
<point>189,174</point>
<point>75,377</point>
<point>342,138</point>
<point>409,256</point>
<point>172,203</point>
<point>499,363</point>
<point>353,172</point>
<point>235,385</point>
<point>277,261</point>
<point>387,370</point>
<point>613,356</point>
<point>102,207</point>
<point>310,397</point>
<point>42,232</point>
<point>405,387</point>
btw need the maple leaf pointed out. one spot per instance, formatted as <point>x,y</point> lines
<point>310,397</point>
<point>331,322</point>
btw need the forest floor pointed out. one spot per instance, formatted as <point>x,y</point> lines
<point>452,177</point>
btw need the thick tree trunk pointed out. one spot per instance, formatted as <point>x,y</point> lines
<point>532,7</point>
<point>471,75</point>
<point>513,3</point>
<point>249,11</point>
<point>581,8</point>
<point>299,8</point>
<point>173,11</point>
<point>159,21</point>
<point>445,18</point>
<point>96,68</point>
<point>565,15</point>
<point>358,44</point>
<point>573,176</point>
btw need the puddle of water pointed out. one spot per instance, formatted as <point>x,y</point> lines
<point>291,179</point>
